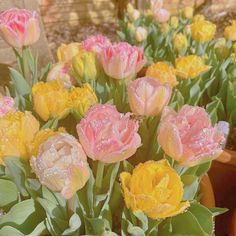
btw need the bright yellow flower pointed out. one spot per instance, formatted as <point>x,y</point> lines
<point>188,12</point>
<point>154,188</point>
<point>230,31</point>
<point>163,72</point>
<point>82,99</point>
<point>203,31</point>
<point>85,65</point>
<point>51,98</point>
<point>66,52</point>
<point>180,42</point>
<point>198,17</point>
<point>40,137</point>
<point>189,67</point>
<point>17,131</point>
<point>174,22</point>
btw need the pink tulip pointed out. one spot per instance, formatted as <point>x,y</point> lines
<point>162,15</point>
<point>122,60</point>
<point>7,105</point>
<point>19,27</point>
<point>61,165</point>
<point>188,136</point>
<point>95,43</point>
<point>61,71</point>
<point>147,96</point>
<point>107,135</point>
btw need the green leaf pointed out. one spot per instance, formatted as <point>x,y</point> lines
<point>24,216</point>
<point>17,171</point>
<point>191,184</point>
<point>186,224</point>
<point>8,193</point>
<point>218,211</point>
<point>74,226</point>
<point>20,84</point>
<point>204,217</point>
<point>94,226</point>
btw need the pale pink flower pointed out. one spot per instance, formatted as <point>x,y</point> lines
<point>147,96</point>
<point>162,15</point>
<point>61,165</point>
<point>62,71</point>
<point>107,135</point>
<point>189,136</point>
<point>122,60</point>
<point>141,34</point>
<point>19,27</point>
<point>95,43</point>
<point>7,105</point>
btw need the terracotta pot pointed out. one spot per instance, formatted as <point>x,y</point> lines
<point>232,231</point>
<point>208,198</point>
<point>223,178</point>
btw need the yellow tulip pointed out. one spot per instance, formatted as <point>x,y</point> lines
<point>188,12</point>
<point>154,188</point>
<point>51,98</point>
<point>163,72</point>
<point>82,99</point>
<point>85,65</point>
<point>198,17</point>
<point>66,52</point>
<point>180,42</point>
<point>203,31</point>
<point>40,137</point>
<point>230,31</point>
<point>189,67</point>
<point>17,131</point>
<point>174,22</point>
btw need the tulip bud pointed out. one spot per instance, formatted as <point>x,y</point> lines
<point>180,42</point>
<point>221,49</point>
<point>66,52</point>
<point>131,27</point>
<point>147,96</point>
<point>198,17</point>
<point>230,31</point>
<point>130,8</point>
<point>162,15</point>
<point>61,71</point>
<point>174,22</point>
<point>134,15</point>
<point>141,34</point>
<point>188,12</point>
<point>85,66</point>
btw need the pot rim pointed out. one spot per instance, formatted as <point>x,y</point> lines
<point>228,157</point>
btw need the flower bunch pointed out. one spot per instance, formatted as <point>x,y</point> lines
<point>89,147</point>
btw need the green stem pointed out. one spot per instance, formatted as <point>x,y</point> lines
<point>25,64</point>
<point>99,175</point>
